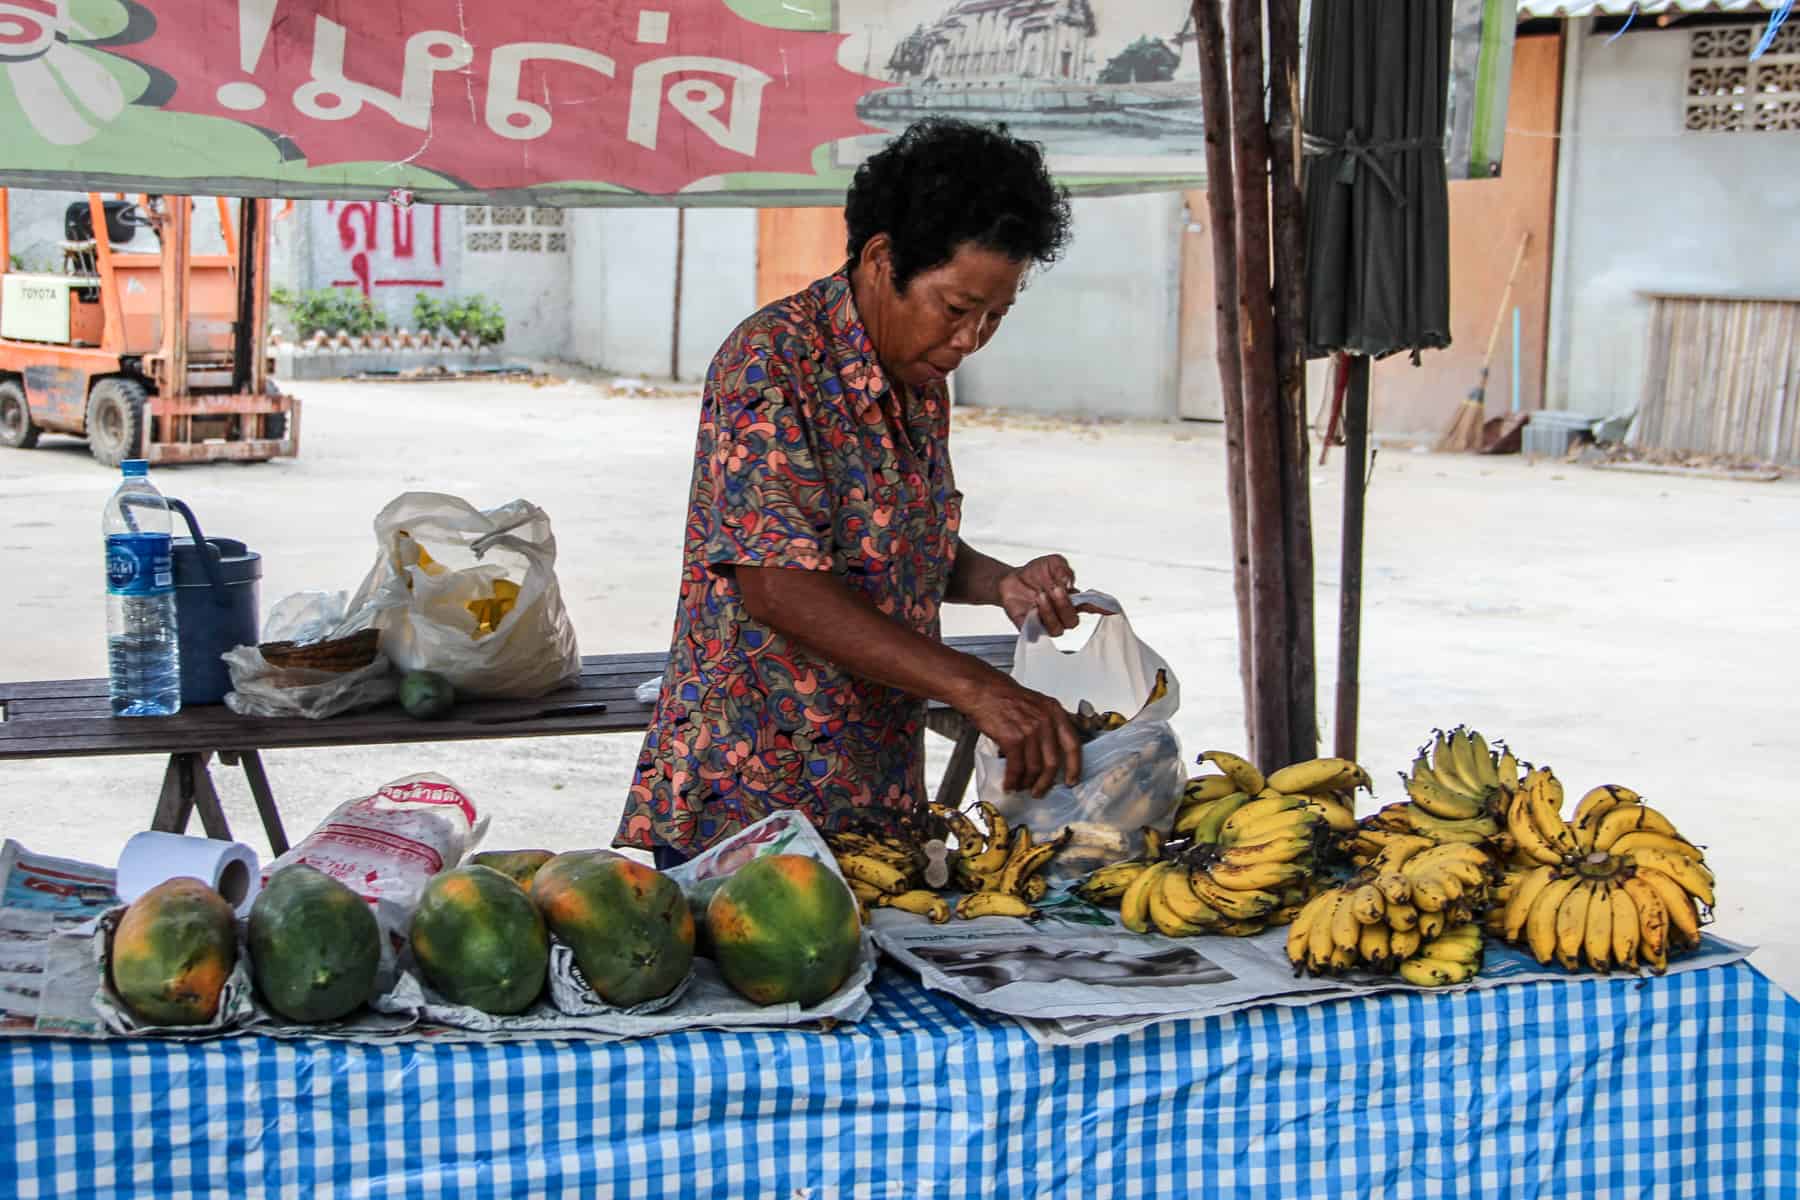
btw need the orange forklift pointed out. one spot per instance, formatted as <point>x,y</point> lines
<point>156,355</point>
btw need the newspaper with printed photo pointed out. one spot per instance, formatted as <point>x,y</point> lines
<point>47,983</point>
<point>1076,975</point>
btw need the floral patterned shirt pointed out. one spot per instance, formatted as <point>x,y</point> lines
<point>807,458</point>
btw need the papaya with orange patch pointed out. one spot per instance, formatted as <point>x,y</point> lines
<point>784,929</point>
<point>629,926</point>
<point>172,952</point>
<point>479,941</point>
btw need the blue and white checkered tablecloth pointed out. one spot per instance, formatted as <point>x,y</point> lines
<point>1682,1086</point>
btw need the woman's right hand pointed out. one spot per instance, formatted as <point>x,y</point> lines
<point>1033,732</point>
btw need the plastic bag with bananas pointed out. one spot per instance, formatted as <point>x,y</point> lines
<point>1616,887</point>
<point>1417,900</point>
<point>1454,792</point>
<point>1324,786</point>
<point>1255,874</point>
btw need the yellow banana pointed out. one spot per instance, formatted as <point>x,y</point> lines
<point>1692,876</point>
<point>1438,829</point>
<point>1545,807</point>
<point>1277,849</point>
<point>1431,924</point>
<point>1529,840</point>
<point>1632,843</point>
<point>1301,930</point>
<point>1163,918</point>
<point>1134,905</point>
<point>1319,944</point>
<point>1292,821</point>
<point>1423,788</point>
<point>1202,788</point>
<point>1369,905</point>
<point>998,829</point>
<point>894,855</point>
<point>1507,771</point>
<point>921,902</point>
<point>1402,917</point>
<point>1110,882</point>
<point>1319,774</point>
<point>1598,943</point>
<point>1447,768</point>
<point>993,904</point>
<point>1462,764</point>
<point>1394,887</point>
<point>1624,926</point>
<point>1255,812</point>
<point>1540,922</point>
<point>1374,945</point>
<point>1346,930</point>
<point>994,857</point>
<point>1571,927</point>
<point>1436,972</point>
<point>866,892</point>
<point>1031,861</point>
<point>1342,959</point>
<point>1395,854</point>
<point>1242,771</point>
<point>1486,773</point>
<point>1335,813</point>
<point>1259,877</point>
<point>1597,802</point>
<point>1202,820</point>
<point>1653,922</point>
<point>1178,896</point>
<point>1632,818</point>
<point>873,871</point>
<point>1431,893</point>
<point>1684,921</point>
<point>969,839</point>
<point>1236,904</point>
<point>1403,944</point>
<point>1524,896</point>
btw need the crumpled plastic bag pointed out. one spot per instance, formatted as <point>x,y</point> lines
<point>261,689</point>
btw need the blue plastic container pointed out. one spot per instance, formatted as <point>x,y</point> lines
<point>217,602</point>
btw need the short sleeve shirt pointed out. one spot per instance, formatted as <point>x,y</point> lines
<point>809,459</point>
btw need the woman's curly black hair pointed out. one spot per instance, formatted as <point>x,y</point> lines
<point>944,182</point>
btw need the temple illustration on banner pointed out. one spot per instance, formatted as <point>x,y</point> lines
<point>1040,63</point>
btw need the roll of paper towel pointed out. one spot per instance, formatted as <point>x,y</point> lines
<point>229,868</point>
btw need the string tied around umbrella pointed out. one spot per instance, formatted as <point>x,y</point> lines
<point>1355,151</point>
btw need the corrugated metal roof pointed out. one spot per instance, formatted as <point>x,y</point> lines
<point>1619,8</point>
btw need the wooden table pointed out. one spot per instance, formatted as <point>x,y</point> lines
<point>72,718</point>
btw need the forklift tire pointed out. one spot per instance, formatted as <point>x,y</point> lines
<point>115,420</point>
<point>16,427</point>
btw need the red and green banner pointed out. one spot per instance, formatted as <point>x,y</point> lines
<point>739,102</point>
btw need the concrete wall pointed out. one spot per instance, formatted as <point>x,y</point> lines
<point>622,286</point>
<point>1655,208</point>
<point>1096,333</point>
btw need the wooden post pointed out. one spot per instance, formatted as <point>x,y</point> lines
<point>5,232</point>
<point>1289,215</point>
<point>675,334</point>
<point>1269,646</point>
<point>1356,457</point>
<point>1209,29</point>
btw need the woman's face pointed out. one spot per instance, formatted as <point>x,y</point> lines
<point>943,315</point>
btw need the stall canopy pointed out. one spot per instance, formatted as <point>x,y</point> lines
<point>729,102</point>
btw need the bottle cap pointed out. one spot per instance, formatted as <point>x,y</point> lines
<point>134,468</point>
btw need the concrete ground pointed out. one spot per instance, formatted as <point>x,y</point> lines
<point>1618,627</point>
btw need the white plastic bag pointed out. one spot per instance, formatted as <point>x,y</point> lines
<point>259,688</point>
<point>1130,777</point>
<point>420,604</point>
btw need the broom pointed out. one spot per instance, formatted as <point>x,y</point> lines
<point>1465,433</point>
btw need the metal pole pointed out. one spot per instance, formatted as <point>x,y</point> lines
<point>675,336</point>
<point>1356,457</point>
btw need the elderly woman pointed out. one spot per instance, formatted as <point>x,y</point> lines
<point>822,521</point>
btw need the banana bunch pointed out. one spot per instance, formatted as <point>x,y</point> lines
<point>1255,873</point>
<point>1453,957</point>
<point>1325,786</point>
<point>1616,887</point>
<point>1452,794</point>
<point>998,868</point>
<point>886,872</point>
<point>1413,895</point>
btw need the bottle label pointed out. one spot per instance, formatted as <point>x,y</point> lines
<point>139,564</point>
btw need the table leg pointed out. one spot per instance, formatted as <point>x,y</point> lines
<point>962,765</point>
<point>265,801</point>
<point>187,785</point>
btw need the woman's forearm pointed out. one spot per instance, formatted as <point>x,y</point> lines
<point>819,612</point>
<point>975,578</point>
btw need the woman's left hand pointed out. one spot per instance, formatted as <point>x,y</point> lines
<point>1041,586</point>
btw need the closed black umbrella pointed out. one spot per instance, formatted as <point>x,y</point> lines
<point>1377,230</point>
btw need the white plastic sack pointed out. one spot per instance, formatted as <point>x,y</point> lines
<point>1130,777</point>
<point>422,612</point>
<point>261,689</point>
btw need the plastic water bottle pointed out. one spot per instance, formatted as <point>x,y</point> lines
<point>142,651</point>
